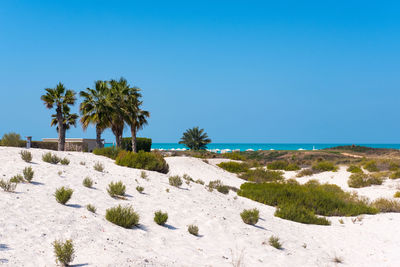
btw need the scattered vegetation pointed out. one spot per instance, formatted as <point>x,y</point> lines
<point>109,152</point>
<point>199,181</point>
<point>305,172</point>
<point>395,175</point>
<point>26,156</point>
<point>250,216</point>
<point>175,181</point>
<point>143,174</point>
<point>8,186</point>
<point>12,139</point>
<point>299,214</point>
<point>193,229</point>
<point>354,169</point>
<point>116,189</point>
<point>160,217</point>
<point>87,182</point>
<point>64,161</point>
<point>122,216</point>
<point>235,156</point>
<point>274,242</point>
<point>283,165</point>
<point>17,179</point>
<point>397,194</point>
<point>219,186</point>
<point>63,194</point>
<point>232,166</point>
<point>324,166</point>
<point>64,252</point>
<point>151,161</point>
<point>91,208</point>
<point>140,189</point>
<point>28,174</point>
<point>50,158</point>
<point>261,175</point>
<point>98,166</point>
<point>358,180</point>
<point>386,205</point>
<point>371,166</point>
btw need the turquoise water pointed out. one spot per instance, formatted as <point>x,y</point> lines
<point>244,147</point>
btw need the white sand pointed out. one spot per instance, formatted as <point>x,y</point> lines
<point>31,219</point>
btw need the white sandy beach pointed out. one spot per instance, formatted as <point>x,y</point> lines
<point>31,219</point>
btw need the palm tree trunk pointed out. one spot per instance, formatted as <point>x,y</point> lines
<point>98,136</point>
<point>61,131</point>
<point>133,132</point>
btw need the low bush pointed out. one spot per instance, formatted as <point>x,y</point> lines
<point>28,174</point>
<point>64,252</point>
<point>8,186</point>
<point>358,180</point>
<point>219,186</point>
<point>175,181</point>
<point>98,166</point>
<point>324,166</point>
<point>393,166</point>
<point>26,156</point>
<point>386,205</point>
<point>140,189</point>
<point>17,179</point>
<point>109,152</point>
<point>395,175</point>
<point>299,214</point>
<point>274,242</point>
<point>305,172</point>
<point>283,165</point>
<point>143,175</point>
<point>371,166</point>
<point>397,194</point>
<point>50,158</point>
<point>64,161</point>
<point>122,216</point>
<point>91,208</point>
<point>234,156</point>
<point>160,217</point>
<point>199,181</point>
<point>187,178</point>
<point>260,175</point>
<point>63,194</point>
<point>354,169</point>
<point>116,189</point>
<point>12,139</point>
<point>87,182</point>
<point>250,216</point>
<point>141,144</point>
<point>193,229</point>
<point>232,166</point>
<point>151,161</point>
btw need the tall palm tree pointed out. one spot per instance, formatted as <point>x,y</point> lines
<point>195,139</point>
<point>134,116</point>
<point>60,98</point>
<point>95,108</point>
<point>117,97</point>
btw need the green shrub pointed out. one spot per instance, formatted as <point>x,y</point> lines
<point>8,186</point>
<point>219,186</point>
<point>283,165</point>
<point>143,160</point>
<point>160,218</point>
<point>354,169</point>
<point>26,156</point>
<point>64,161</point>
<point>64,252</point>
<point>260,175</point>
<point>109,152</point>
<point>98,166</point>
<point>63,195</point>
<point>358,180</point>
<point>28,173</point>
<point>87,182</point>
<point>324,166</point>
<point>193,229</point>
<point>397,194</point>
<point>274,242</point>
<point>140,189</point>
<point>141,144</point>
<point>50,158</point>
<point>116,189</point>
<point>175,181</point>
<point>122,216</point>
<point>395,175</point>
<point>143,174</point>
<point>199,181</point>
<point>394,166</point>
<point>17,179</point>
<point>234,156</point>
<point>299,214</point>
<point>91,208</point>
<point>371,166</point>
<point>234,167</point>
<point>305,172</point>
<point>386,205</point>
<point>250,216</point>
<point>12,139</point>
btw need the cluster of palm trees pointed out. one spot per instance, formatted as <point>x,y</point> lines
<point>110,104</point>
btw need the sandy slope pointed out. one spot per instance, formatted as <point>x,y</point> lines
<point>31,219</point>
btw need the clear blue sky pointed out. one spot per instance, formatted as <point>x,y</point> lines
<point>246,71</point>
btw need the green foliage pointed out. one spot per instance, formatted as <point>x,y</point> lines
<point>394,166</point>
<point>324,166</point>
<point>64,252</point>
<point>28,173</point>
<point>122,216</point>
<point>175,181</point>
<point>397,194</point>
<point>305,172</point>
<point>325,199</point>
<point>234,167</point>
<point>143,175</point>
<point>116,189</point>
<point>274,242</point>
<point>17,179</point>
<point>219,186</point>
<point>140,189</point>
<point>109,152</point>
<point>250,216</point>
<point>143,160</point>
<point>386,205</point>
<point>98,166</point>
<point>193,229</point>
<point>261,175</point>
<point>63,194</point>
<point>199,181</point>
<point>141,144</point>
<point>50,158</point>
<point>8,186</point>
<point>26,155</point>
<point>371,166</point>
<point>395,175</point>
<point>299,214</point>
<point>160,218</point>
<point>64,161</point>
<point>195,139</point>
<point>354,169</point>
<point>358,180</point>
<point>283,165</point>
<point>87,182</point>
<point>12,139</point>
<point>91,208</point>
<point>234,156</point>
